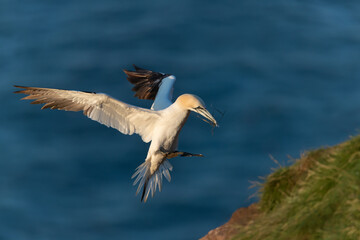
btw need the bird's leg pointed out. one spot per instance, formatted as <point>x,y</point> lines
<point>169,155</point>
<point>186,154</point>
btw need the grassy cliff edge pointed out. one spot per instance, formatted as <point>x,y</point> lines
<point>318,197</point>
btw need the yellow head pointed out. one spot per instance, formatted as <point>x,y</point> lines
<point>196,104</point>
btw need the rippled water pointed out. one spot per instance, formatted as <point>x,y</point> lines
<point>286,75</point>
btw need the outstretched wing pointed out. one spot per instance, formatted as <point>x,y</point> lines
<point>126,118</point>
<point>152,85</point>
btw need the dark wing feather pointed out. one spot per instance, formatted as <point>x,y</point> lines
<point>146,82</point>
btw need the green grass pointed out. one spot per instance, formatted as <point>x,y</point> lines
<point>318,197</point>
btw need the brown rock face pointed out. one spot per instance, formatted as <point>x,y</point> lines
<point>240,218</point>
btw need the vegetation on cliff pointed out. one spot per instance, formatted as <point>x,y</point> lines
<point>318,197</point>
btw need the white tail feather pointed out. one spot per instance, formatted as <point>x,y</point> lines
<point>150,182</point>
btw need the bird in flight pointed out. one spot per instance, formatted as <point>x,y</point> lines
<point>160,125</point>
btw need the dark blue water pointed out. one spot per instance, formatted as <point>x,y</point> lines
<point>286,73</point>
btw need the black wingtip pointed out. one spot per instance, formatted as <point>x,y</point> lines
<point>146,82</point>
<point>138,68</point>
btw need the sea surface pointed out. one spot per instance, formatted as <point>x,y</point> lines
<point>281,77</point>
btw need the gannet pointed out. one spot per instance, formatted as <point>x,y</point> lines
<point>160,125</point>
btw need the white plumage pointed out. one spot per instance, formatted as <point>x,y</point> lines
<point>161,124</point>
<point>164,95</point>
